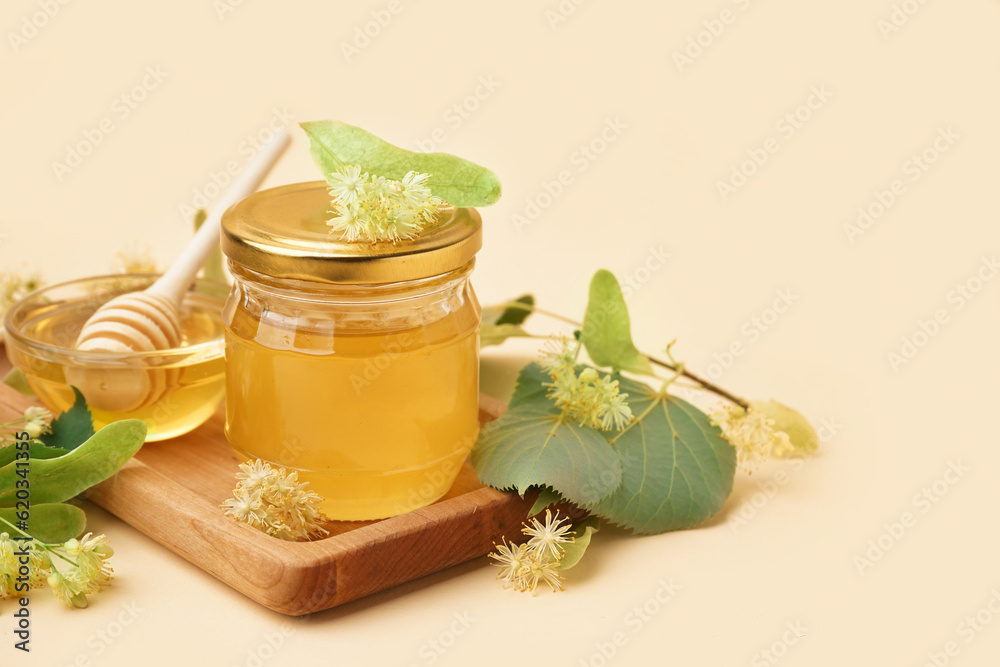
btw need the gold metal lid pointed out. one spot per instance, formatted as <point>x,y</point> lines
<point>282,232</point>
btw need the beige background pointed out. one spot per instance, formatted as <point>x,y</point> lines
<point>554,86</point>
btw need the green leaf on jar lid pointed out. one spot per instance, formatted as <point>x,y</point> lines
<point>456,180</point>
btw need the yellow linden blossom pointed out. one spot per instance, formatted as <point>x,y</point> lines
<point>134,259</point>
<point>274,502</point>
<point>548,538</point>
<point>752,434</point>
<point>587,398</point>
<point>13,288</point>
<point>38,568</point>
<point>8,565</point>
<point>92,572</point>
<point>89,571</point>
<point>37,420</point>
<point>540,570</point>
<point>512,559</point>
<point>374,208</point>
<point>524,566</point>
<point>68,590</point>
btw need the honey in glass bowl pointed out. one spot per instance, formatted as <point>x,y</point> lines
<point>183,386</point>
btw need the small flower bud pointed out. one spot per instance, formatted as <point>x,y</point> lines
<point>72,547</point>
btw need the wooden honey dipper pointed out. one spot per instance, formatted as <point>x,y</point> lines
<point>149,320</point>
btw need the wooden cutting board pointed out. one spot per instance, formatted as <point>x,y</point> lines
<point>171,491</point>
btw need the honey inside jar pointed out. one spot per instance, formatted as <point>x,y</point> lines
<point>369,390</point>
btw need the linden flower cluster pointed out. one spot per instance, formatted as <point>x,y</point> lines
<point>374,208</point>
<point>588,398</point>
<point>36,421</point>
<point>752,434</point>
<point>14,287</point>
<point>134,259</point>
<point>524,566</point>
<point>274,502</point>
<point>88,574</point>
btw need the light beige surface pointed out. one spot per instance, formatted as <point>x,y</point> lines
<point>672,133</point>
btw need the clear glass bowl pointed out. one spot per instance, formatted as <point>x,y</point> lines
<point>42,328</point>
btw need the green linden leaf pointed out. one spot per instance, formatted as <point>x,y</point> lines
<point>59,479</point>
<point>502,322</point>
<point>582,532</point>
<point>607,334</point>
<point>677,470</point>
<point>530,445</point>
<point>510,313</point>
<point>71,428</point>
<point>530,388</point>
<point>495,334</point>
<point>16,379</point>
<point>36,450</point>
<point>459,182</point>
<point>52,523</point>
<point>803,436</point>
<point>546,498</point>
<point>213,269</point>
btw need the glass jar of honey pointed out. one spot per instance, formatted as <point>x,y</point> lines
<point>355,364</point>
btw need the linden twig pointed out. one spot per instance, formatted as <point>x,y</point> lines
<point>676,368</point>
